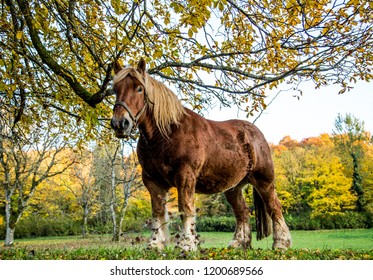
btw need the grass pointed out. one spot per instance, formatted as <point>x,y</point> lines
<point>324,245</point>
<point>356,239</point>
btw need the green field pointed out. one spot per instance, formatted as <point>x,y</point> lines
<point>326,244</point>
<point>357,239</point>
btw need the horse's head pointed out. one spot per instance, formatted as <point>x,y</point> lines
<point>130,104</point>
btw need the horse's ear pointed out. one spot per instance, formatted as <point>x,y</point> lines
<point>117,66</point>
<point>141,66</point>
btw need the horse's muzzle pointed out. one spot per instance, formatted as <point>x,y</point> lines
<point>122,127</point>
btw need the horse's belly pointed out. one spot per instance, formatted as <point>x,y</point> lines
<point>215,185</point>
<point>224,169</point>
<point>220,180</point>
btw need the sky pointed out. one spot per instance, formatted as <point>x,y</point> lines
<point>313,114</point>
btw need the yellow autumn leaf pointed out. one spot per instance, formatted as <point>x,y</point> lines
<point>190,33</point>
<point>19,35</point>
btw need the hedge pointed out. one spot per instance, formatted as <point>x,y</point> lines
<point>347,220</point>
<point>34,226</point>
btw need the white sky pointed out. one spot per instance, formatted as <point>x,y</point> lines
<point>312,115</point>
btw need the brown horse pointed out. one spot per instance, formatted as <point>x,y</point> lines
<point>178,148</point>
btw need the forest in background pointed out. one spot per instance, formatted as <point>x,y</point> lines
<point>322,182</point>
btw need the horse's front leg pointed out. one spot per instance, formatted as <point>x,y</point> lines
<point>186,182</point>
<point>159,225</point>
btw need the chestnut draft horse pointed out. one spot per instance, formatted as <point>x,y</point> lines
<point>178,148</point>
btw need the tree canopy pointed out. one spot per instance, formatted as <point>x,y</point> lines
<point>56,55</point>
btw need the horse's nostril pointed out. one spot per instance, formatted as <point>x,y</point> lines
<point>125,124</point>
<point>122,124</point>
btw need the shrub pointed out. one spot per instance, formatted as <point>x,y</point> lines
<point>36,226</point>
<point>137,214</point>
<point>223,224</point>
<point>347,220</point>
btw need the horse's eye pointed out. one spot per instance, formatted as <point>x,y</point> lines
<point>139,89</point>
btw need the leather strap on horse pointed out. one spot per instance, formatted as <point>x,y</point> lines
<point>134,119</point>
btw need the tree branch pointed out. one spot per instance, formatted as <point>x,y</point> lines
<point>69,77</point>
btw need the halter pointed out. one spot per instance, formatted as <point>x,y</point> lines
<point>135,119</point>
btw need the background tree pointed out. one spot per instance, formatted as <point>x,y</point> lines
<point>83,186</point>
<point>53,199</point>
<point>27,158</point>
<point>101,173</point>
<point>289,163</point>
<point>123,179</point>
<point>367,175</point>
<point>328,189</point>
<point>349,136</point>
<point>213,205</point>
<point>129,182</point>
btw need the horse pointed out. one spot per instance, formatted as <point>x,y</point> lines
<point>179,148</point>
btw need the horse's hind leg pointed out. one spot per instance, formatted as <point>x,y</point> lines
<point>159,224</point>
<point>268,199</point>
<point>242,234</point>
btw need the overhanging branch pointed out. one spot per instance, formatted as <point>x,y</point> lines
<point>90,99</point>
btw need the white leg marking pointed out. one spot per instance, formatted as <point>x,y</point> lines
<point>159,237</point>
<point>188,240</point>
<point>242,236</point>
<point>281,235</point>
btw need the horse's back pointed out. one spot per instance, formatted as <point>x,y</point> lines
<point>256,147</point>
<point>230,150</point>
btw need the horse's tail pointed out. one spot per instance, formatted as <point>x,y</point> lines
<point>263,220</point>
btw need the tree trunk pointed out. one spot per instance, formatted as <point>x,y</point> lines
<point>123,210</point>
<point>85,221</point>
<point>113,205</point>
<point>115,233</point>
<point>10,227</point>
<point>121,218</point>
<point>9,237</point>
<point>115,226</point>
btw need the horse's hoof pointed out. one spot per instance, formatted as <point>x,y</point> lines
<point>188,243</point>
<point>188,248</point>
<point>234,244</point>
<point>282,244</point>
<point>237,244</point>
<point>156,245</point>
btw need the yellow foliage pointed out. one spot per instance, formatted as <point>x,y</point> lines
<point>311,174</point>
<point>367,174</point>
<point>247,45</point>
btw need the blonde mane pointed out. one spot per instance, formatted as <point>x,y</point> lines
<point>164,105</point>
